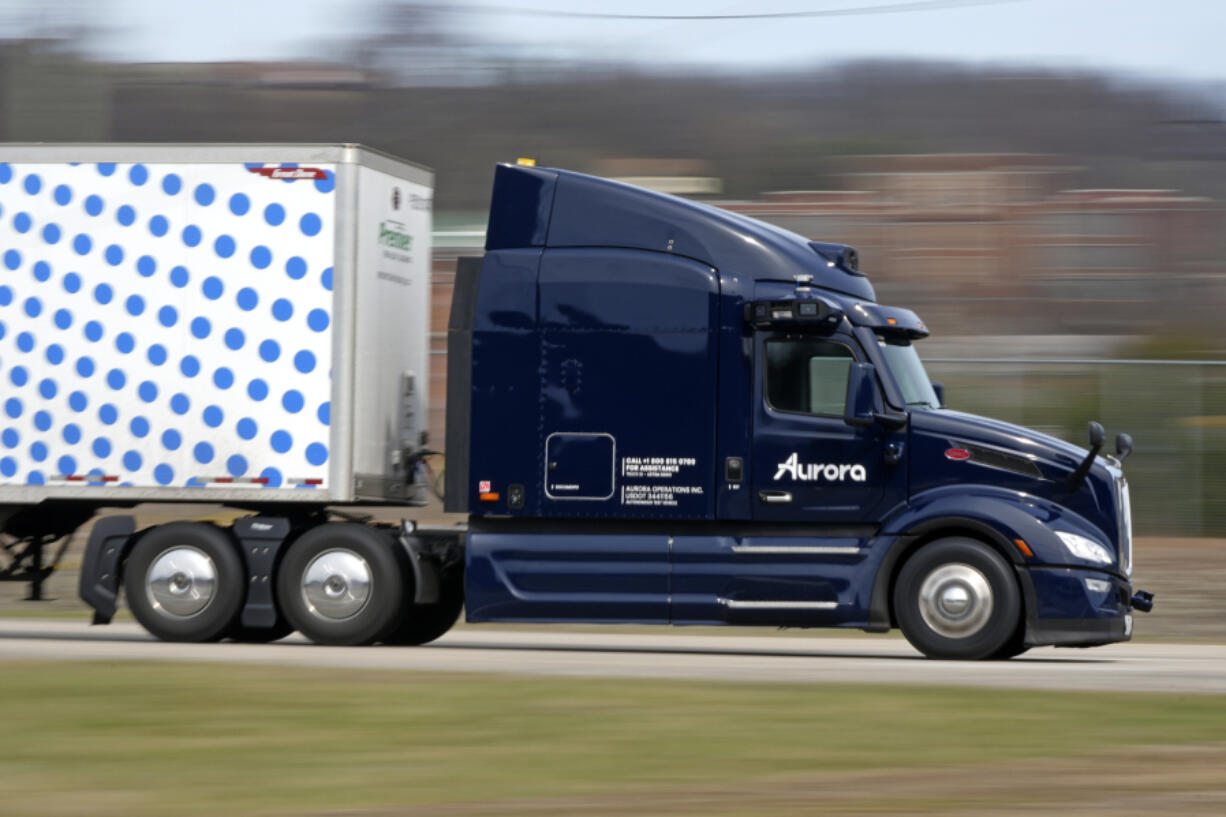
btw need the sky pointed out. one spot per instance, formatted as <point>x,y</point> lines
<point>1178,39</point>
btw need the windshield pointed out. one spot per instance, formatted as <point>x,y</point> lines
<point>908,371</point>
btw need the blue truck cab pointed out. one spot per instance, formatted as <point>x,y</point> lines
<point>663,412</point>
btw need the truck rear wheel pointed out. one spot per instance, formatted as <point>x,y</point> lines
<point>423,623</point>
<point>184,582</point>
<point>956,598</point>
<point>342,583</point>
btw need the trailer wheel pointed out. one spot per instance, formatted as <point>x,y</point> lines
<point>184,582</point>
<point>342,583</point>
<point>956,598</point>
<point>423,623</point>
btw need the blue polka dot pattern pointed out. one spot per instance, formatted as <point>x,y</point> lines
<point>292,401</point>
<point>261,257</point>
<point>311,224</point>
<point>147,334</point>
<point>281,441</point>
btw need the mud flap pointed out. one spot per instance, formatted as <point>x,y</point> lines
<point>99,579</point>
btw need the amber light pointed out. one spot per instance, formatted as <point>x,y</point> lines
<point>490,496</point>
<point>1023,547</point>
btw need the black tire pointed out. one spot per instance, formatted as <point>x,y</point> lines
<point>954,572</point>
<point>185,554</point>
<point>1015,646</point>
<point>260,635</point>
<point>423,623</point>
<point>375,611</point>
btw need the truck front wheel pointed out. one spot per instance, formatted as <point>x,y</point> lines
<point>342,584</point>
<point>184,582</point>
<point>956,598</point>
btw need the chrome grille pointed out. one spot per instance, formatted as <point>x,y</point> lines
<point>1124,508</point>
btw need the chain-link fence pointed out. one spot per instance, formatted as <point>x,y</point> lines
<point>1175,411</point>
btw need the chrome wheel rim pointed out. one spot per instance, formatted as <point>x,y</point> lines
<point>956,600</point>
<point>181,582</point>
<point>336,584</point>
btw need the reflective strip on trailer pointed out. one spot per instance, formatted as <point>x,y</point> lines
<point>230,482</point>
<point>88,479</point>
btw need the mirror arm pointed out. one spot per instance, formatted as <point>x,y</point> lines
<point>892,420</point>
<point>1096,445</point>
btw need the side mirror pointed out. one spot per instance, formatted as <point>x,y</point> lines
<point>939,388</point>
<point>1097,436</point>
<point>861,404</point>
<point>1123,446</point>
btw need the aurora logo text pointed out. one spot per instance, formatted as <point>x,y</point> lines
<point>814,472</point>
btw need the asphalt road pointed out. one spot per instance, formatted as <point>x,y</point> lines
<point>668,654</point>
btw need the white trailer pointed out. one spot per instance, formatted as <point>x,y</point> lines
<point>237,324</point>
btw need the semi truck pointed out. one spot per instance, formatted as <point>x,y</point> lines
<point>658,411</point>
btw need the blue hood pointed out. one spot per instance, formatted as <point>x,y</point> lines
<point>999,434</point>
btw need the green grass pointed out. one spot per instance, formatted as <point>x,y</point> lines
<point>202,739</point>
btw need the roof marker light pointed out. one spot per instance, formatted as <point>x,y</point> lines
<point>522,162</point>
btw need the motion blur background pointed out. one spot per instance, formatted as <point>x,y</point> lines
<point>1042,180</point>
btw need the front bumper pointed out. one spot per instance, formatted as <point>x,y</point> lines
<point>1072,607</point>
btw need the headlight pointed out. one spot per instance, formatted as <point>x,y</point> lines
<point>1084,548</point>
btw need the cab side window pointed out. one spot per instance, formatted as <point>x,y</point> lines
<point>807,376</point>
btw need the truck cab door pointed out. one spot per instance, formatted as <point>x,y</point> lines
<point>809,464</point>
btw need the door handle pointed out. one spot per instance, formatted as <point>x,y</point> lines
<point>774,497</point>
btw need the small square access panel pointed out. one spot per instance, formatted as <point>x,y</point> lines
<point>580,465</point>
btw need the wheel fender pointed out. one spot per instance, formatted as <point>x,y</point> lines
<point>260,541</point>
<point>999,518</point>
<point>426,578</point>
<point>98,584</point>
